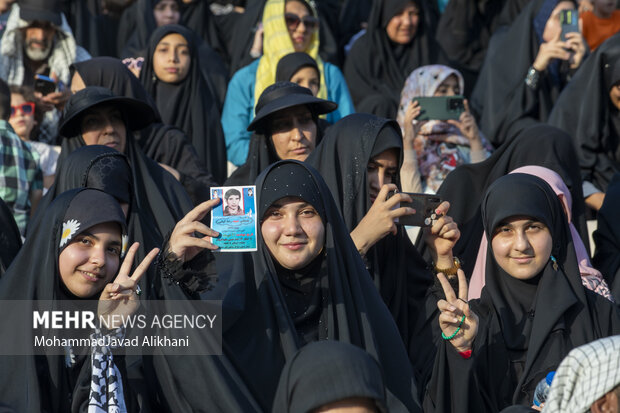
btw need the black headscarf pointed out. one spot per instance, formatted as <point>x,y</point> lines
<point>10,238</point>
<point>198,17</point>
<point>45,383</point>
<point>376,67</point>
<point>143,25</point>
<point>607,238</point>
<point>398,270</point>
<point>326,372</point>
<point>342,305</point>
<point>505,105</point>
<point>158,200</point>
<point>163,144</point>
<point>93,29</point>
<point>188,105</point>
<point>292,63</point>
<point>464,31</point>
<point>594,125</point>
<point>541,145</point>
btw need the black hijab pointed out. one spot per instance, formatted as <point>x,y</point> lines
<point>93,28</point>
<point>505,105</point>
<point>10,238</point>
<point>45,382</point>
<point>144,25</point>
<point>342,305</point>
<point>163,144</point>
<point>189,104</point>
<point>541,145</point>
<point>398,270</point>
<point>326,372</point>
<point>158,200</point>
<point>292,63</point>
<point>376,67</point>
<point>198,17</point>
<point>607,238</point>
<point>595,124</point>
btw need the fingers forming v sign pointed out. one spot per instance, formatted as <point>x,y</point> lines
<point>120,298</point>
<point>458,323</point>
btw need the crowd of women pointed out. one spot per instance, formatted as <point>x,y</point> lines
<point>341,306</point>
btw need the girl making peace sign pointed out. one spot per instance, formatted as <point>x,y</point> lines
<point>533,309</point>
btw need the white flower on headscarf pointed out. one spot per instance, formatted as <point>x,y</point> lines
<point>69,229</point>
<point>125,241</point>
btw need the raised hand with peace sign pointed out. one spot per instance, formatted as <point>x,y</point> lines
<point>120,298</point>
<point>458,323</point>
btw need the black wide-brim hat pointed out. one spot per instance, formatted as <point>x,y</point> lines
<point>284,95</point>
<point>41,10</point>
<point>137,114</point>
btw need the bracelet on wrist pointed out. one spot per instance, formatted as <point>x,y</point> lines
<point>532,78</point>
<point>449,271</point>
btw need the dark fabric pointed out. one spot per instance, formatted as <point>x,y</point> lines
<point>188,105</point>
<point>326,372</point>
<point>464,187</point>
<point>527,327</point>
<point>504,104</point>
<point>607,238</point>
<point>163,144</point>
<point>112,74</point>
<point>93,29</point>
<point>158,202</point>
<point>10,238</point>
<point>197,17</point>
<point>464,31</point>
<point>143,25</point>
<point>261,154</point>
<point>291,64</point>
<point>376,68</point>
<point>240,41</point>
<point>45,383</point>
<point>257,319</point>
<point>595,125</point>
<point>398,270</point>
<point>126,27</point>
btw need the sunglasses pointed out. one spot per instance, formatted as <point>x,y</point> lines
<point>26,108</point>
<point>292,21</point>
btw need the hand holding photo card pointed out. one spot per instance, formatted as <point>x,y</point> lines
<point>234,218</point>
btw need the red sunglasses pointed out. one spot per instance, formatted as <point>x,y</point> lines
<point>26,108</point>
<point>293,20</point>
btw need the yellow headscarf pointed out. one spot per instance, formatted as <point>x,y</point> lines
<point>277,43</point>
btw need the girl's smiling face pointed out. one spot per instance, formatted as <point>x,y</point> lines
<point>293,232</point>
<point>91,260</point>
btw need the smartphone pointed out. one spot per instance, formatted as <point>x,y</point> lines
<point>441,107</point>
<point>44,84</point>
<point>424,206</point>
<point>569,21</point>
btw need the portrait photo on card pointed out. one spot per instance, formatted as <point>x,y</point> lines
<point>234,218</point>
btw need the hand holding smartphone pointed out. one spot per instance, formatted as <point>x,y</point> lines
<point>440,107</point>
<point>424,206</point>
<point>44,84</point>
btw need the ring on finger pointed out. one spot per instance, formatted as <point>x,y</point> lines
<point>138,290</point>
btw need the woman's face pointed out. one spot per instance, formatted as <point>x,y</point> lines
<point>166,12</point>
<point>522,246</point>
<point>449,87</point>
<point>104,125</point>
<point>403,26</point>
<point>308,77</point>
<point>293,133</point>
<point>22,122</point>
<point>172,59</point>
<point>91,260</point>
<point>350,405</point>
<point>381,170</point>
<point>614,95</point>
<point>553,26</point>
<point>293,232</point>
<point>300,33</point>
